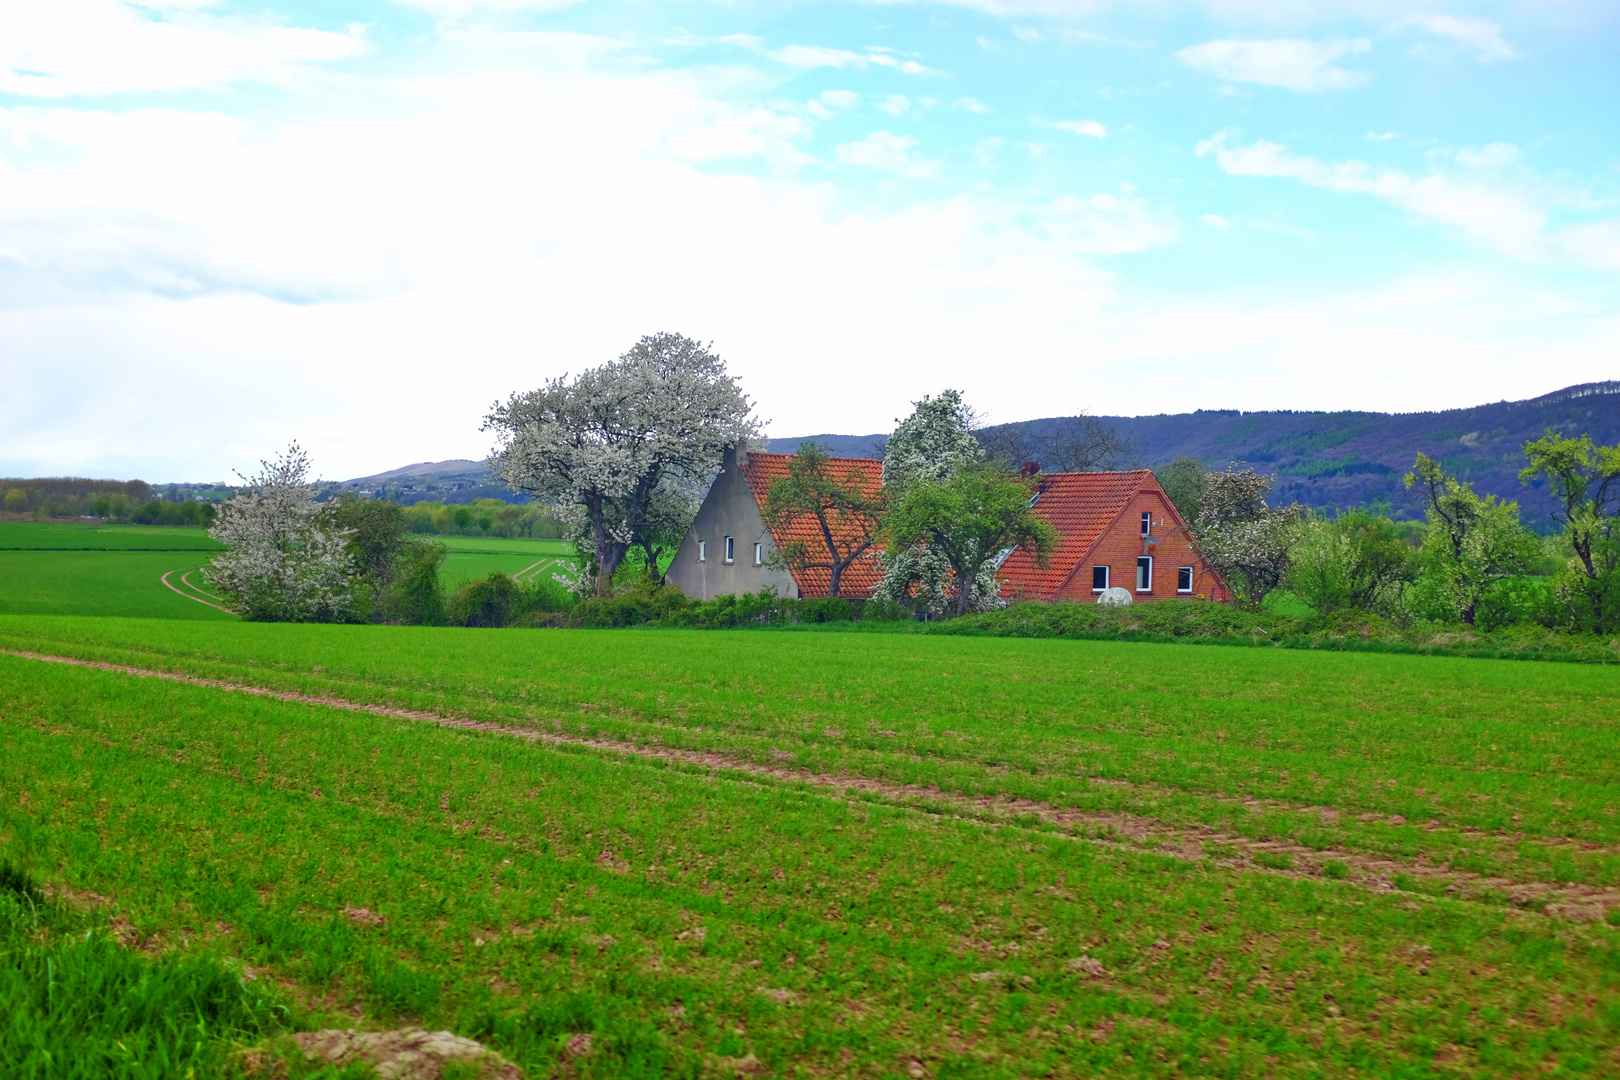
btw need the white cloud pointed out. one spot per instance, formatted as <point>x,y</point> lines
<point>1382,136</point>
<point>61,48</point>
<point>1215,221</point>
<point>1481,35</point>
<point>895,104</point>
<point>1090,128</point>
<point>1305,66</point>
<point>807,57</point>
<point>457,8</point>
<point>972,105</point>
<point>840,99</point>
<point>1490,210</point>
<point>887,151</point>
<point>1494,154</point>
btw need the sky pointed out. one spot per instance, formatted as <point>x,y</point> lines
<point>359,223</point>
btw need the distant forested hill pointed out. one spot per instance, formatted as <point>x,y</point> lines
<point>1340,460</point>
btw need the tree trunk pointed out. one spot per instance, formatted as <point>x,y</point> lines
<point>964,591</point>
<point>834,577</point>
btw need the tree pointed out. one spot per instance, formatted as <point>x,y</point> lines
<point>1585,481</point>
<point>397,573</point>
<point>844,514</point>
<point>968,519</point>
<point>1183,481</point>
<point>1472,544</point>
<point>1357,561</point>
<point>603,445</point>
<point>1240,537</point>
<point>929,446</point>
<point>285,558</point>
<point>1076,444</point>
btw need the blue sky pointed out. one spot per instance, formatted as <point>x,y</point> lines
<point>356,224</point>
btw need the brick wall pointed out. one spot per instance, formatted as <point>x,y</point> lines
<point>1119,547</point>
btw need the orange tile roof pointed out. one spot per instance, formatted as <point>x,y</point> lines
<point>861,576</point>
<point>1080,505</point>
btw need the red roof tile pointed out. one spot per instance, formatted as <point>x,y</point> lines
<point>1080,506</point>
<point>860,577</point>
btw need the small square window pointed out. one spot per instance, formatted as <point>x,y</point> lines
<point>1184,579</point>
<point>759,554</point>
<point>731,549</point>
<point>703,551</point>
<point>1147,522</point>
<point>1144,574</point>
<point>1099,578</point>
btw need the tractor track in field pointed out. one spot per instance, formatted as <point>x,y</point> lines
<point>1119,831</point>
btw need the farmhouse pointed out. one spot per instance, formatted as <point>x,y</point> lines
<point>1117,530</point>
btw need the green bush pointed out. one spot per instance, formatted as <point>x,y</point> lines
<point>497,601</point>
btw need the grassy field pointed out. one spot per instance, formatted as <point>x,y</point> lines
<point>838,854</point>
<point>70,536</point>
<point>51,568</point>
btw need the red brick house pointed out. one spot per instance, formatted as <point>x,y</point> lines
<point>1116,529</point>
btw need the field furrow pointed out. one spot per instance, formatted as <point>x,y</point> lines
<point>1228,850</point>
<point>524,890</point>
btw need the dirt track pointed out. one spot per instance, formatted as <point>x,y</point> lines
<point>1120,831</point>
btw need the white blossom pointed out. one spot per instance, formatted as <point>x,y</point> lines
<point>284,560</point>
<point>605,446</point>
<point>929,446</point>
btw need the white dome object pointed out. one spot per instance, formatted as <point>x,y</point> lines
<point>1114,597</point>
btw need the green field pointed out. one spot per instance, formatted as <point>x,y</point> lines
<point>51,568</point>
<point>839,854</point>
<point>68,536</point>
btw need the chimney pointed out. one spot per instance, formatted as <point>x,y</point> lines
<point>1028,469</point>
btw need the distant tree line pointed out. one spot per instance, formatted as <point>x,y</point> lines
<point>132,501</point>
<point>1471,562</point>
<point>483,517</point>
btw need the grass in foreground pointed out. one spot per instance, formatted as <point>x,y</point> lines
<point>1466,766</point>
<point>381,871</point>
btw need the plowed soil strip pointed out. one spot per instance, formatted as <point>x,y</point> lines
<point>1120,831</point>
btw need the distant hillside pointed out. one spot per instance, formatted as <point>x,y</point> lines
<point>1340,460</point>
<point>454,481</point>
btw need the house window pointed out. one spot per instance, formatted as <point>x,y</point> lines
<point>1147,522</point>
<point>759,554</point>
<point>1099,578</point>
<point>1144,574</point>
<point>731,549</point>
<point>703,551</point>
<point>1184,579</point>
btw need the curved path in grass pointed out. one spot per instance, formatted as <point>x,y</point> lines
<point>188,596</point>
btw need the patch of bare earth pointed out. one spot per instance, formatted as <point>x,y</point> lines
<point>406,1053</point>
<point>1117,830</point>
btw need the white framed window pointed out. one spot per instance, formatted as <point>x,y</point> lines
<point>703,551</point>
<point>1099,578</point>
<point>1147,522</point>
<point>731,549</point>
<point>759,554</point>
<point>1184,579</point>
<point>1144,574</point>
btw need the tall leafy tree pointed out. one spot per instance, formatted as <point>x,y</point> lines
<point>844,510</point>
<point>1183,481</point>
<point>285,559</point>
<point>968,519</point>
<point>1356,561</point>
<point>1472,543</point>
<point>929,446</point>
<point>1584,479</point>
<point>604,445</point>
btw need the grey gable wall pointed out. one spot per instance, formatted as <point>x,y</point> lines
<point>728,510</point>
